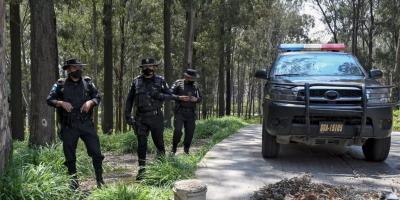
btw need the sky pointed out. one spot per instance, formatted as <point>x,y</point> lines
<point>320,32</point>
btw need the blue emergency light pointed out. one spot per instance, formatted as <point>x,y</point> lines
<point>312,47</point>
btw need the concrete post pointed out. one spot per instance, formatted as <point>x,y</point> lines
<point>190,190</point>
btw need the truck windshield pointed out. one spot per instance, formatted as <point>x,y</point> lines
<point>317,64</point>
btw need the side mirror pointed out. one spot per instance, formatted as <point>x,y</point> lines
<point>263,74</point>
<point>375,73</point>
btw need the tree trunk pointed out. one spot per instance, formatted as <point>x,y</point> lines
<point>228,72</point>
<point>17,117</point>
<point>108,69</point>
<point>95,44</point>
<point>44,67</point>
<point>396,78</point>
<point>221,49</point>
<point>121,71</point>
<point>167,58</point>
<point>5,136</point>
<point>371,35</point>
<point>189,34</point>
<point>356,16</point>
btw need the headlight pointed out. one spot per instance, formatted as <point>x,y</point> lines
<point>379,96</point>
<point>288,93</point>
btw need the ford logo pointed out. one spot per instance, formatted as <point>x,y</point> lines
<point>331,95</point>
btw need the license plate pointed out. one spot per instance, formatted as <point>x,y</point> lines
<point>331,127</point>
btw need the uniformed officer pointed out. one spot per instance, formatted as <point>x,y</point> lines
<point>185,111</point>
<point>74,97</point>
<point>146,95</point>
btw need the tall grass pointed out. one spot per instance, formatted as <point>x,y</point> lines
<point>40,173</point>
<point>396,120</point>
<point>166,171</point>
<point>131,192</point>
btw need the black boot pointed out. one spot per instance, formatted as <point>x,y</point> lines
<point>99,178</point>
<point>186,150</point>
<point>74,182</point>
<point>100,183</point>
<point>140,174</point>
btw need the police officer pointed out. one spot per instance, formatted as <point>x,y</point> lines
<point>146,95</point>
<point>185,111</point>
<point>74,97</point>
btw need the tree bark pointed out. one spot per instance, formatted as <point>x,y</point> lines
<point>5,135</point>
<point>167,58</point>
<point>17,116</point>
<point>95,45</point>
<point>44,67</point>
<point>356,13</point>
<point>228,72</point>
<point>121,71</point>
<point>221,52</point>
<point>108,69</point>
<point>189,34</point>
<point>371,34</point>
<point>396,73</point>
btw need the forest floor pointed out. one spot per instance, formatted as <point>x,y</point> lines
<point>125,166</point>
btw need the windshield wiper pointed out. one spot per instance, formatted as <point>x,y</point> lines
<point>289,74</point>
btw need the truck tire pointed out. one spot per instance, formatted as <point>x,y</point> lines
<point>270,148</point>
<point>376,150</point>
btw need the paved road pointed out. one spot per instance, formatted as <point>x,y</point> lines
<point>234,168</point>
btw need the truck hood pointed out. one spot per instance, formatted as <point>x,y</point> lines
<point>351,80</point>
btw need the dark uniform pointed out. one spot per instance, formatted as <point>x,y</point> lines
<point>185,111</point>
<point>77,124</point>
<point>146,95</point>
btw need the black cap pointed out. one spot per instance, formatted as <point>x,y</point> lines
<point>72,61</point>
<point>191,73</point>
<point>148,62</point>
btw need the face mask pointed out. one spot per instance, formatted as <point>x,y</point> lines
<point>147,71</point>
<point>76,74</point>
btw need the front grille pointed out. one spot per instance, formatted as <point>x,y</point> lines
<point>342,93</point>
<point>314,120</point>
<point>344,96</point>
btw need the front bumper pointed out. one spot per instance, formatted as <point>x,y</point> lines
<point>286,119</point>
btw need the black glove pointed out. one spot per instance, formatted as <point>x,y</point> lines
<point>130,120</point>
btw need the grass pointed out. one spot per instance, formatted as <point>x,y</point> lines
<point>40,173</point>
<point>165,172</point>
<point>396,120</point>
<point>131,192</point>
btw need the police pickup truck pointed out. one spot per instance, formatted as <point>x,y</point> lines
<point>317,94</point>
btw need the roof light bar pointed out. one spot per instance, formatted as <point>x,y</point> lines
<point>312,47</point>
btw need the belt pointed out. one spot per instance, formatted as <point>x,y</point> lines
<point>182,109</point>
<point>149,113</point>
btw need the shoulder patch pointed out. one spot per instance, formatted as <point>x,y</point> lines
<point>87,78</point>
<point>61,81</point>
<point>159,77</point>
<point>138,77</point>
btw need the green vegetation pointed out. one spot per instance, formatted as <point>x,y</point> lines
<point>396,120</point>
<point>40,173</point>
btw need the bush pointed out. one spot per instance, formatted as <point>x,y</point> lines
<point>35,174</point>
<point>166,171</point>
<point>121,142</point>
<point>396,120</point>
<point>131,192</point>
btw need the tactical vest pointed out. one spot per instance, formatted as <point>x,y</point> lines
<point>186,91</point>
<point>74,98</point>
<point>143,93</point>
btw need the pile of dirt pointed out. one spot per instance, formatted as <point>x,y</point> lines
<point>301,188</point>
